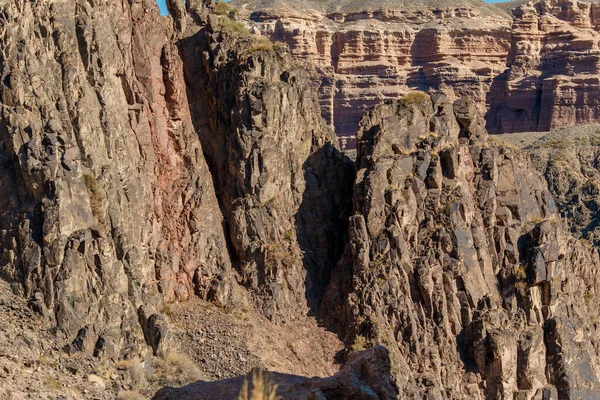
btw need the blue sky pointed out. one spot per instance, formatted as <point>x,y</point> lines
<point>163,6</point>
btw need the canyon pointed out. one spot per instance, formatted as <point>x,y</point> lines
<point>177,215</point>
<point>528,66</point>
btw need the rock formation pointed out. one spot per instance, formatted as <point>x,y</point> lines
<point>366,52</point>
<point>110,206</point>
<point>553,75</point>
<point>108,201</point>
<point>283,185</point>
<point>148,160</point>
<point>458,264</point>
<point>568,157</point>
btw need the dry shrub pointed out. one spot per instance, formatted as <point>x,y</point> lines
<point>416,97</point>
<point>262,388</point>
<point>234,28</point>
<point>260,43</point>
<point>129,395</point>
<point>222,8</point>
<point>176,369</point>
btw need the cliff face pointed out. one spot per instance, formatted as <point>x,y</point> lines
<point>110,206</point>
<point>149,160</point>
<point>108,201</point>
<point>365,53</point>
<point>530,71</point>
<point>458,263</point>
<point>283,185</point>
<point>553,74</point>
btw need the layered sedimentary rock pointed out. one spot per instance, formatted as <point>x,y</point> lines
<point>553,75</point>
<point>533,69</point>
<point>458,263</point>
<point>366,52</point>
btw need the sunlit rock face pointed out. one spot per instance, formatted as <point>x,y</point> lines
<point>529,70</point>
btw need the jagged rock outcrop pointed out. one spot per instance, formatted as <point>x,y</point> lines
<point>110,206</point>
<point>284,187</point>
<point>553,77</point>
<point>458,263</point>
<point>365,377</point>
<point>569,158</point>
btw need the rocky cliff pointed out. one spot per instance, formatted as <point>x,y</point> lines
<point>148,161</point>
<point>366,52</point>
<point>553,74</point>
<point>532,69</point>
<point>283,185</point>
<point>109,116</point>
<point>108,201</point>
<point>458,263</point>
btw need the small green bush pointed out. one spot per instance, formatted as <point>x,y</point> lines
<point>234,28</point>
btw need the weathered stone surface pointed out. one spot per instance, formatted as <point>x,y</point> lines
<point>284,187</point>
<point>367,52</point>
<point>554,69</point>
<point>107,199</point>
<point>458,263</point>
<point>365,377</point>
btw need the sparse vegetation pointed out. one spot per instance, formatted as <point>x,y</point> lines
<point>360,343</point>
<point>261,43</point>
<point>53,383</point>
<point>377,264</point>
<point>520,272</point>
<point>95,197</point>
<point>495,142</point>
<point>588,297</point>
<point>223,8</point>
<point>176,369</point>
<point>282,251</point>
<point>416,97</point>
<point>234,28</point>
<point>262,388</point>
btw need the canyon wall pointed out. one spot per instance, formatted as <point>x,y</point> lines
<point>553,75</point>
<point>531,70</point>
<point>110,206</point>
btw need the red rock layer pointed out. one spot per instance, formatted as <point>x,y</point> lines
<point>531,71</point>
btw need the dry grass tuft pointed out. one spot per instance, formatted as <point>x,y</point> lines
<point>262,388</point>
<point>261,43</point>
<point>416,97</point>
<point>176,369</point>
<point>234,28</point>
<point>222,8</point>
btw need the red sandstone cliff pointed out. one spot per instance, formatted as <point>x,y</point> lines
<point>532,70</point>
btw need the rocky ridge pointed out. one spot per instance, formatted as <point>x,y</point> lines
<point>458,263</point>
